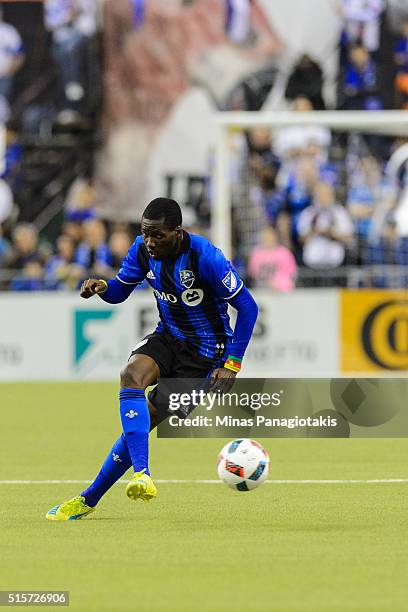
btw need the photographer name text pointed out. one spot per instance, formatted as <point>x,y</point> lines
<point>201,421</point>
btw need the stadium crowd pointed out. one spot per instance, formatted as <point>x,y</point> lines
<point>86,245</point>
<point>318,200</point>
<point>327,197</point>
<point>330,203</point>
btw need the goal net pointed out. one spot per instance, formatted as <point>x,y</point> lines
<point>275,174</point>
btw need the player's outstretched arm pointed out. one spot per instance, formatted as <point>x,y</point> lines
<point>113,291</point>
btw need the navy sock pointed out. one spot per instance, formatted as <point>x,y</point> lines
<point>115,465</point>
<point>135,418</point>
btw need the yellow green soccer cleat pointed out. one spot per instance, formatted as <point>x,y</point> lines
<point>141,487</point>
<point>70,510</point>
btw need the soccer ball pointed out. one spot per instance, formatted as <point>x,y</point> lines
<point>243,465</point>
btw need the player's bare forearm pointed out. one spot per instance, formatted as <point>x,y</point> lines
<point>92,286</point>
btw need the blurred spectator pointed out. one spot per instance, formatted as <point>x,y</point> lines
<point>72,23</point>
<point>93,253</point>
<point>260,146</point>
<point>261,158</point>
<point>271,264</point>
<point>360,87</point>
<point>306,81</point>
<point>119,244</point>
<point>401,61</point>
<point>80,202</point>
<point>325,228</point>
<point>26,247</point>
<point>60,271</point>
<point>11,59</point>
<point>6,201</point>
<point>362,22</point>
<point>74,230</point>
<point>12,159</point>
<point>388,249</point>
<point>238,21</point>
<point>296,195</point>
<point>30,279</point>
<point>5,249</point>
<point>364,191</point>
<point>294,142</point>
<point>270,199</point>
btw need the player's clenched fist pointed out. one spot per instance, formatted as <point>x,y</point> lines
<point>92,286</point>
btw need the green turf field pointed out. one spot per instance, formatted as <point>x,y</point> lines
<point>198,547</point>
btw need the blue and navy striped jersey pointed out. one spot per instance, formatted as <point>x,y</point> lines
<point>191,292</point>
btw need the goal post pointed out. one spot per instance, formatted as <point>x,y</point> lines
<point>390,123</point>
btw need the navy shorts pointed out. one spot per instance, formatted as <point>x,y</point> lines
<point>175,359</point>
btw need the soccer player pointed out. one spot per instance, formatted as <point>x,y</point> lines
<point>193,283</point>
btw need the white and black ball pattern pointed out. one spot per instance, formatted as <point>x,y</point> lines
<point>243,464</point>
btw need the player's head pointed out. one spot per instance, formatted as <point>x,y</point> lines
<point>161,227</point>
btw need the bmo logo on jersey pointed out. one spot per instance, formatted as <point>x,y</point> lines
<point>192,297</point>
<point>165,297</point>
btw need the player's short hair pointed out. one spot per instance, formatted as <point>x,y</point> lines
<point>166,209</point>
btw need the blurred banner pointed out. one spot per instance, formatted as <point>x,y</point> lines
<point>63,337</point>
<point>257,407</point>
<point>308,333</point>
<point>169,66</point>
<point>374,330</point>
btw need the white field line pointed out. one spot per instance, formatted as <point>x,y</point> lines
<point>273,482</point>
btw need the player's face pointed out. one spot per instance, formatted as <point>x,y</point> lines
<point>160,241</point>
